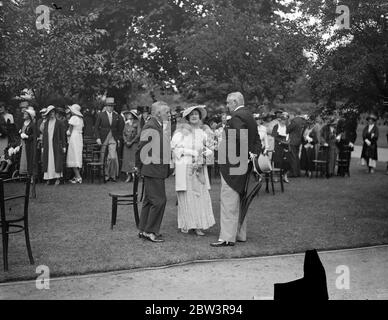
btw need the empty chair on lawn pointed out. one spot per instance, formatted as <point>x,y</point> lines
<point>14,213</point>
<point>126,198</point>
<point>96,167</point>
<point>321,163</point>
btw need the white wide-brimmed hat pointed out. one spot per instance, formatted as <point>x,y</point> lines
<point>262,164</point>
<point>49,109</point>
<point>132,111</point>
<point>76,110</point>
<point>200,108</point>
<point>31,113</point>
<point>110,101</point>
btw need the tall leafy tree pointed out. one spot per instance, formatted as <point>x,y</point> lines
<point>351,63</point>
<point>245,47</point>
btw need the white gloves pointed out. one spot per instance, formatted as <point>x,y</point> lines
<point>99,142</point>
<point>351,145</point>
<point>23,136</point>
<point>368,142</point>
<point>207,153</point>
<point>68,133</point>
<point>309,139</point>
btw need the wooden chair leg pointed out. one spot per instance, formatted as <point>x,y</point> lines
<point>136,212</point>
<point>114,212</point>
<point>272,184</point>
<point>4,235</point>
<point>266,183</point>
<point>28,244</point>
<point>281,180</point>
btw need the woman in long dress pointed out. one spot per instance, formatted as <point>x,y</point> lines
<point>370,135</point>
<point>74,151</point>
<point>54,147</point>
<point>190,147</point>
<point>28,137</point>
<point>329,145</point>
<point>131,137</point>
<point>281,156</point>
<point>309,140</point>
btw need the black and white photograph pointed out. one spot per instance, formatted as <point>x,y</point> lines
<point>199,153</point>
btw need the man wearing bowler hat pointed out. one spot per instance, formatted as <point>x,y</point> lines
<point>108,130</point>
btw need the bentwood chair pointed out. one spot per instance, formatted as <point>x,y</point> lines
<point>321,163</point>
<point>12,221</point>
<point>125,198</point>
<point>343,162</point>
<point>96,167</point>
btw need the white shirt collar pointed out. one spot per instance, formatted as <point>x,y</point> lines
<point>239,107</point>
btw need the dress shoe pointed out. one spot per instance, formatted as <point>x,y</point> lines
<point>199,232</point>
<point>222,244</point>
<point>241,240</point>
<point>152,237</point>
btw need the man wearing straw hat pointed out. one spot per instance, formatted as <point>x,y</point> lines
<point>240,128</point>
<point>108,129</point>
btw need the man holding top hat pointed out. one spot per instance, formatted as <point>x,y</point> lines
<point>241,128</point>
<point>108,130</point>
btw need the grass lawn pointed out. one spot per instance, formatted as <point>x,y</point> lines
<point>70,226</point>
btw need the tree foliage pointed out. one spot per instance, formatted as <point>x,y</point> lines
<point>351,64</point>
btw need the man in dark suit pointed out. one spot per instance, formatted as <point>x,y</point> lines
<point>153,160</point>
<point>108,130</point>
<point>239,138</point>
<point>295,130</point>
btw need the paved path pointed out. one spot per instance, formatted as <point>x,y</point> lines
<point>242,279</point>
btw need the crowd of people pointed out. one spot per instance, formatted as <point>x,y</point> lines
<point>51,141</point>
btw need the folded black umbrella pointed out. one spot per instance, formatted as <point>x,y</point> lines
<point>250,192</point>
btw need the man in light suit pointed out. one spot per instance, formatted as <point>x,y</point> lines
<point>243,124</point>
<point>108,130</point>
<point>153,160</point>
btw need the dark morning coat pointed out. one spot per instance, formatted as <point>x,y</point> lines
<point>59,142</point>
<point>295,130</point>
<point>373,136</point>
<point>30,144</point>
<point>241,119</point>
<point>153,130</point>
<point>102,126</point>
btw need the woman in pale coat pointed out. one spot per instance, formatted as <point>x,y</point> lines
<point>191,146</point>
<point>74,152</point>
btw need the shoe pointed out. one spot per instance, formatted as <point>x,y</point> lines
<point>57,182</point>
<point>152,237</point>
<point>286,180</point>
<point>74,180</point>
<point>79,180</point>
<point>184,230</point>
<point>222,244</point>
<point>113,180</point>
<point>241,240</point>
<point>199,232</point>
<point>141,235</point>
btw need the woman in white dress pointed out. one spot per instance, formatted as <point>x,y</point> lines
<point>74,151</point>
<point>190,147</point>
